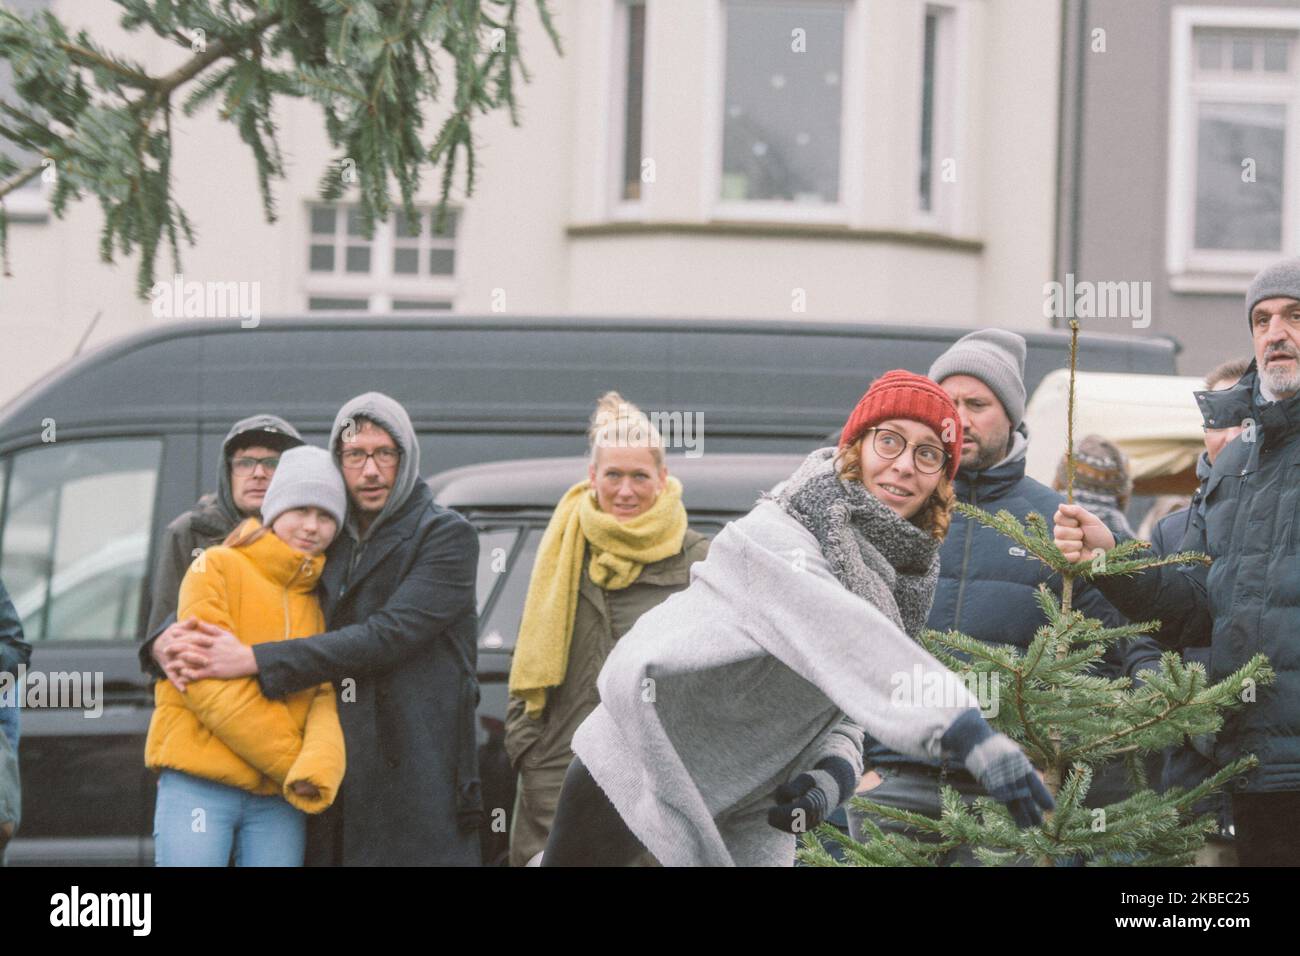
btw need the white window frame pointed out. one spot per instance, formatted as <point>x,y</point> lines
<point>852,131</point>
<point>617,206</point>
<point>951,63</point>
<point>26,204</point>
<point>1225,271</point>
<point>381,285</point>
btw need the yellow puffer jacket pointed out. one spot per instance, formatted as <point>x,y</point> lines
<point>225,730</point>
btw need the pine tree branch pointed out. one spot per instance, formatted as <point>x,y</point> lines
<point>219,48</point>
<point>20,179</point>
<point>92,58</point>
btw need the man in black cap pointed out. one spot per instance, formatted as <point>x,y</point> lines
<point>1248,601</point>
<point>249,454</point>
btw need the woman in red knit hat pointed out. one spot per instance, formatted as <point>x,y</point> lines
<point>731,716</point>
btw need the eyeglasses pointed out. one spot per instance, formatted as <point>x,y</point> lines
<point>243,467</point>
<point>354,458</point>
<point>889,444</point>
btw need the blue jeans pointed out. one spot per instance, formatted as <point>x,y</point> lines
<point>197,822</point>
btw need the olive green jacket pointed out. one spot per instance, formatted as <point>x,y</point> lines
<point>539,749</point>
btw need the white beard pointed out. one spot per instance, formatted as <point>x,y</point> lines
<point>1276,383</point>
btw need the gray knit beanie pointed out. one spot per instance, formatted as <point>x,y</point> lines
<point>1279,279</point>
<point>305,478</point>
<point>996,358</point>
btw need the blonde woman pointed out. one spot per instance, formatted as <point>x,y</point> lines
<point>617,545</point>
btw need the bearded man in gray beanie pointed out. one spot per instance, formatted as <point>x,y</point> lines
<point>986,585</point>
<point>1247,602</point>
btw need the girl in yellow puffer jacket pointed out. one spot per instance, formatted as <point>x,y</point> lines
<point>238,770</point>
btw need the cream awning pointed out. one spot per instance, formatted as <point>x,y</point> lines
<point>1153,418</point>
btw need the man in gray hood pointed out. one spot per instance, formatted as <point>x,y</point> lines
<point>398,592</point>
<point>249,455</point>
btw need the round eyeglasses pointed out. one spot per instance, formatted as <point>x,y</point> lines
<point>928,459</point>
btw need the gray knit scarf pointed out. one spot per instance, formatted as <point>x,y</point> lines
<point>882,558</point>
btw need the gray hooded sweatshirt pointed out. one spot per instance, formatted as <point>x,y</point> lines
<point>391,416</point>
<point>744,680</point>
<point>212,518</point>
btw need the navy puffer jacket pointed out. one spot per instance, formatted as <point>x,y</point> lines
<point>1248,600</point>
<point>987,583</point>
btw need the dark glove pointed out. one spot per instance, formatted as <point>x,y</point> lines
<point>1000,766</point>
<point>806,801</point>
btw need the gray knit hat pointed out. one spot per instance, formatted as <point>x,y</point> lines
<point>305,478</point>
<point>996,358</point>
<point>1279,279</point>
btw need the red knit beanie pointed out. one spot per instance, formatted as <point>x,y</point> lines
<point>900,394</point>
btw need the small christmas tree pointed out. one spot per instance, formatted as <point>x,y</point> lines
<point>1069,723</point>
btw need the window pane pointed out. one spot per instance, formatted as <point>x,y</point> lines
<point>354,221</point>
<point>322,220</point>
<point>358,259</point>
<point>781,131</point>
<point>419,305</point>
<point>1276,50</point>
<point>322,304</point>
<point>927,111</point>
<point>1243,54</point>
<point>632,121</point>
<point>442,262</point>
<point>322,259</point>
<point>405,229</point>
<point>501,628</point>
<point>494,547</point>
<point>1231,213</point>
<point>448,225</point>
<point>76,538</point>
<point>406,261</point>
<point>1209,53</point>
<point>22,157</point>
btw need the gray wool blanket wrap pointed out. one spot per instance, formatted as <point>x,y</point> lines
<point>882,558</point>
<point>766,664</point>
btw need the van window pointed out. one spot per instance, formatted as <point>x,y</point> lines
<point>75,537</point>
<point>501,628</point>
<point>494,547</point>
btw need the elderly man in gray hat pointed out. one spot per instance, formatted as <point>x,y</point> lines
<point>986,586</point>
<point>1247,602</point>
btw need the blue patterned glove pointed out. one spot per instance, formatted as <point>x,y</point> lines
<point>807,800</point>
<point>1000,766</point>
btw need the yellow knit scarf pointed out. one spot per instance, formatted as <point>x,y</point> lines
<point>619,550</point>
